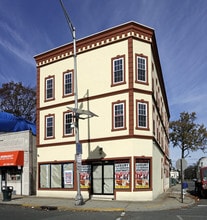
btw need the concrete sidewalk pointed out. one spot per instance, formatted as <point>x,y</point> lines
<point>168,200</point>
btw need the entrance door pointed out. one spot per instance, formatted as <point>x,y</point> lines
<point>103,179</point>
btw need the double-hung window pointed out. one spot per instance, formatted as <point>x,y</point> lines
<point>68,120</point>
<point>141,69</point>
<point>49,88</point>
<point>142,115</point>
<point>49,120</point>
<point>118,74</point>
<point>119,115</point>
<point>68,83</point>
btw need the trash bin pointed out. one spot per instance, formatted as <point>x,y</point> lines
<point>7,192</point>
<point>173,181</point>
<point>184,187</point>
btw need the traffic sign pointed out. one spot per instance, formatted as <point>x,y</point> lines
<point>178,164</point>
<point>78,161</point>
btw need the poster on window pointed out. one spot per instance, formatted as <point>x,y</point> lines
<point>68,177</point>
<point>142,175</point>
<point>85,176</point>
<point>122,175</point>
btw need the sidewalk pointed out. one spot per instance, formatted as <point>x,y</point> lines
<point>168,200</point>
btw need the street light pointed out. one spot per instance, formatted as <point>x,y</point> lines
<point>78,113</point>
<point>78,198</point>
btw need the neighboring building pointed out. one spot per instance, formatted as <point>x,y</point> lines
<point>125,149</point>
<point>18,163</point>
<point>174,174</point>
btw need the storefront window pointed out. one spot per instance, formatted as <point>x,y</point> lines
<point>13,177</point>
<point>68,175</point>
<point>85,176</point>
<point>14,174</point>
<point>44,176</point>
<point>142,174</point>
<point>122,175</point>
<point>56,175</point>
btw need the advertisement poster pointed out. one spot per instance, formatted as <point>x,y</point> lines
<point>68,177</point>
<point>85,176</point>
<point>122,175</point>
<point>142,175</point>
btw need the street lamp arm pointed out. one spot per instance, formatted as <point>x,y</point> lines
<point>72,28</point>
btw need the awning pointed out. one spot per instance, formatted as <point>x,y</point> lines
<point>12,158</point>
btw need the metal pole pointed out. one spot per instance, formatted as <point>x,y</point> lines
<point>78,198</point>
<point>181,168</point>
<point>182,179</point>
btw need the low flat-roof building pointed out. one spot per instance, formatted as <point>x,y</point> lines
<point>18,163</point>
<point>18,157</point>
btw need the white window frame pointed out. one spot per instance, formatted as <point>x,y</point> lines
<point>49,89</point>
<point>142,67</point>
<point>68,123</point>
<point>115,115</point>
<point>142,113</point>
<point>47,127</point>
<point>116,71</point>
<point>68,83</point>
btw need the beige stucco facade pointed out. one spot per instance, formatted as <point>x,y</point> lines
<point>135,154</point>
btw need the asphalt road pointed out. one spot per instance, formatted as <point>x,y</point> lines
<point>195,212</point>
<point>11,212</point>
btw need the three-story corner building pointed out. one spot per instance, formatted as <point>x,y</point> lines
<point>125,153</point>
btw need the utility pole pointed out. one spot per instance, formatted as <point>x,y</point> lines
<point>78,198</point>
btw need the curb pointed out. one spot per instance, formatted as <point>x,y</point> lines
<point>63,208</point>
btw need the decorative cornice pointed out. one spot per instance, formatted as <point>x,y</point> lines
<point>95,41</point>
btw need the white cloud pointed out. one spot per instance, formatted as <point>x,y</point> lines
<point>12,41</point>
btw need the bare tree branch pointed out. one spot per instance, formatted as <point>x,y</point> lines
<point>18,100</point>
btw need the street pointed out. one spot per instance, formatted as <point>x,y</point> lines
<point>10,212</point>
<point>194,212</point>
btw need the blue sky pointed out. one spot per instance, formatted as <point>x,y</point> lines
<point>30,27</point>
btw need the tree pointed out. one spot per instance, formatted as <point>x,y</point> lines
<point>190,172</point>
<point>188,135</point>
<point>18,100</point>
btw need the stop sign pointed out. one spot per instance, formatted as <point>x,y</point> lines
<point>178,164</point>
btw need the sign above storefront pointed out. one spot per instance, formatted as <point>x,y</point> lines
<point>12,158</point>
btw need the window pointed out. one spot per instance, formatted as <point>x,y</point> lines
<point>68,83</point>
<point>56,175</point>
<point>118,73</point>
<point>49,87</point>
<point>49,126</point>
<point>85,176</point>
<point>141,63</point>
<point>142,114</point>
<point>119,120</point>
<point>44,176</point>
<point>68,120</point>
<point>142,173</point>
<point>122,175</point>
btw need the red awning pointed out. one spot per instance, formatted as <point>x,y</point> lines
<point>12,158</point>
